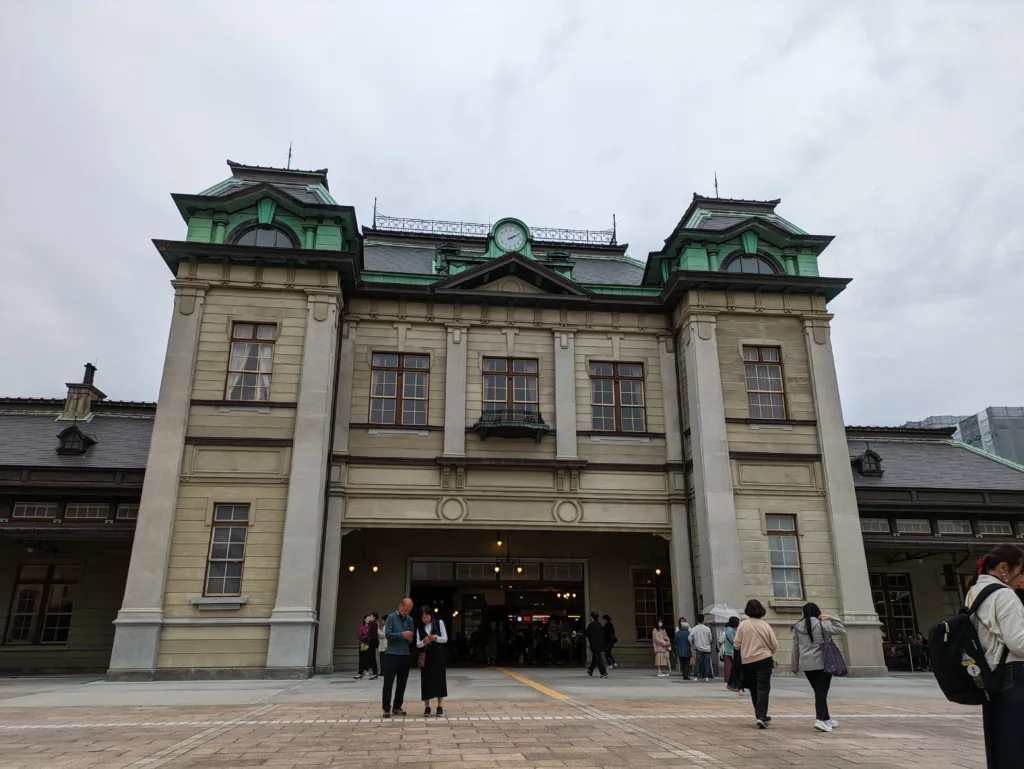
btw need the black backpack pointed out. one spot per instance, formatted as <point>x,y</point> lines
<point>958,658</point>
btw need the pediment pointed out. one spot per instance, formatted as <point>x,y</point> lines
<point>510,284</point>
<point>528,276</point>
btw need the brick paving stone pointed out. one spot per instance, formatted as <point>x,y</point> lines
<point>530,733</point>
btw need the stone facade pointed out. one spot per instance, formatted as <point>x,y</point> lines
<point>344,489</point>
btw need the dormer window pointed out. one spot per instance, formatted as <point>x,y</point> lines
<point>751,264</point>
<point>264,237</point>
<point>869,464</point>
<point>73,441</point>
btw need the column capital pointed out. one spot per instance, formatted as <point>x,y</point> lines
<point>193,287</point>
<point>556,332</point>
<point>822,319</point>
<point>319,294</point>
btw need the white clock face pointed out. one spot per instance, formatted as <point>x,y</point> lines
<point>509,237</point>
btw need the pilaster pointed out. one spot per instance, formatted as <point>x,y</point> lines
<point>293,620</point>
<point>455,390</point>
<point>137,627</point>
<point>721,581</point>
<point>565,394</point>
<point>343,398</point>
<point>680,553</point>
<point>329,580</point>
<point>863,640</point>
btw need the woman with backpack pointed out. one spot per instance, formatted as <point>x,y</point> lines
<point>809,634</point>
<point>367,637</point>
<point>1000,624</point>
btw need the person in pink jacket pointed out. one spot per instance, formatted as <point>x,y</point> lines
<point>661,647</point>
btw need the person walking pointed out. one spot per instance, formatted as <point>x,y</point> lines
<point>610,639</point>
<point>661,646</point>
<point>431,638</point>
<point>398,631</point>
<point>756,642</point>
<point>729,650</point>
<point>1000,623</point>
<point>701,639</point>
<point>808,635</point>
<point>597,638</point>
<point>684,652</point>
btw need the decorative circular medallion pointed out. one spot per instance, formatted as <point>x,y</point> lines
<point>451,508</point>
<point>567,511</point>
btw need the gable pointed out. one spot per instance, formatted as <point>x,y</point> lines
<point>511,285</point>
<point>512,267</point>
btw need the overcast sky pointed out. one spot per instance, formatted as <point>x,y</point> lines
<point>896,127</point>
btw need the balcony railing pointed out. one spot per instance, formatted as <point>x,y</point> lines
<point>510,423</point>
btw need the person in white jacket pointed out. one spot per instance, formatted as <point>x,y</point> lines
<point>1000,624</point>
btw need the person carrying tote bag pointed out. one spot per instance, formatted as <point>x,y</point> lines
<point>818,658</point>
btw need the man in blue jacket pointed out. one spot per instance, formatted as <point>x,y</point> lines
<point>396,661</point>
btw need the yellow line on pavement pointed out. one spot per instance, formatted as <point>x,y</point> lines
<point>534,685</point>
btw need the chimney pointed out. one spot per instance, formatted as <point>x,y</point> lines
<point>81,396</point>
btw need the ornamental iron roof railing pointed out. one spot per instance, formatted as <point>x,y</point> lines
<point>442,228</point>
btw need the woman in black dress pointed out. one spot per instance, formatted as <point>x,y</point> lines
<point>430,639</point>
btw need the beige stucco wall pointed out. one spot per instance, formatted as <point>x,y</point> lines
<point>97,598</point>
<point>245,466</point>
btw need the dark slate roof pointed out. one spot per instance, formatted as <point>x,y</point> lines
<point>615,272</point>
<point>931,464</point>
<point>419,260</point>
<point>30,440</point>
<point>297,191</point>
<point>381,257</point>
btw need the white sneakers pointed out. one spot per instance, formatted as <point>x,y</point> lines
<point>833,723</point>
<point>822,726</point>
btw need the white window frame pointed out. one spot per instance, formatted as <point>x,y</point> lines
<point>867,529</point>
<point>785,536</point>
<point>963,527</point>
<point>128,511</point>
<point>1008,532</point>
<point>910,523</point>
<point>32,510</point>
<point>86,511</point>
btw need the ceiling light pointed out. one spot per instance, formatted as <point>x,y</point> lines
<point>351,568</point>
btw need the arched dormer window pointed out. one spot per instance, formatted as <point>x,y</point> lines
<point>869,464</point>
<point>751,264</point>
<point>73,441</point>
<point>265,236</point>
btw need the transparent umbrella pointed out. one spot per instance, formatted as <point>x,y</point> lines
<point>719,613</point>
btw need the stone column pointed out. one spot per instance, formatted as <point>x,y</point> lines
<point>293,620</point>
<point>329,577</point>
<point>455,390</point>
<point>721,581</point>
<point>137,627</point>
<point>680,554</point>
<point>565,395</point>
<point>343,398</point>
<point>220,229</point>
<point>863,639</point>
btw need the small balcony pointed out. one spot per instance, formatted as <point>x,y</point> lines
<point>505,423</point>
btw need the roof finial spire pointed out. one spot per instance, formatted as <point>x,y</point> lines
<point>614,230</point>
<point>289,156</point>
<point>716,183</point>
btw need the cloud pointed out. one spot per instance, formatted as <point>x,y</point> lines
<point>895,127</point>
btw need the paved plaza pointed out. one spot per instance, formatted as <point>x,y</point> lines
<point>522,717</point>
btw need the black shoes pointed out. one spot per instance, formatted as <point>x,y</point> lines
<point>397,712</point>
<point>590,673</point>
<point>387,714</point>
<point>426,711</point>
<point>440,711</point>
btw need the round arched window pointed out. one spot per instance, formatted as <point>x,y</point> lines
<point>751,264</point>
<point>265,237</point>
